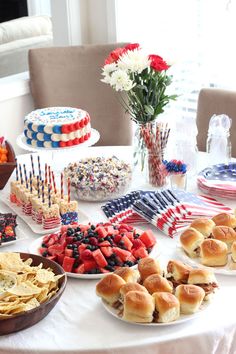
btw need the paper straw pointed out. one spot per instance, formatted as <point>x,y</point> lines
<point>54,183</point>
<point>26,179</point>
<point>38,187</point>
<point>62,193</point>
<point>32,164</point>
<point>68,188</point>
<point>49,175</point>
<point>43,192</point>
<point>49,195</point>
<point>46,174</point>
<point>17,172</point>
<point>21,177</point>
<point>39,168</point>
<point>31,182</point>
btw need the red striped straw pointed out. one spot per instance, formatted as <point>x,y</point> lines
<point>26,179</point>
<point>39,168</point>
<point>38,187</point>
<point>31,182</point>
<point>50,175</point>
<point>32,164</point>
<point>49,196</point>
<point>46,174</point>
<point>54,183</point>
<point>17,172</point>
<point>43,200</point>
<point>62,183</point>
<point>21,177</point>
<point>68,189</point>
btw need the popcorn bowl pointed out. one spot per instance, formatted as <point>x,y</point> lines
<point>99,179</point>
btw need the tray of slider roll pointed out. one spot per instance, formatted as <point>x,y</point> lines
<point>154,295</point>
<point>210,243</point>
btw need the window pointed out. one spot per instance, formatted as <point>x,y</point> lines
<point>197,36</point>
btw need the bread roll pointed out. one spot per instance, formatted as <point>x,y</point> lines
<point>213,253</point>
<point>108,288</point>
<point>148,266</point>
<point>138,307</point>
<point>225,234</point>
<point>177,272</point>
<point>233,250</point>
<point>131,287</point>
<point>167,307</point>
<point>129,275</point>
<point>204,226</point>
<point>190,297</point>
<point>156,283</point>
<point>224,219</point>
<point>190,240</point>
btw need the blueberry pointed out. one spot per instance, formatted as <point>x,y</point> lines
<point>92,227</point>
<point>78,229</point>
<point>149,250</point>
<point>108,267</point>
<point>69,232</point>
<point>44,254</point>
<point>85,240</point>
<point>101,239</point>
<point>44,245</point>
<point>76,256</point>
<point>70,247</point>
<point>111,263</point>
<point>89,247</point>
<point>121,243</point>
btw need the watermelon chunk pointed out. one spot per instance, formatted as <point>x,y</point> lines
<point>141,252</point>
<point>55,249</point>
<point>148,238</point>
<point>42,250</point>
<point>89,264</point>
<point>127,243</point>
<point>107,251</point>
<point>122,254</point>
<point>68,252</point>
<point>99,258</point>
<point>101,231</point>
<point>68,263</point>
<point>79,269</point>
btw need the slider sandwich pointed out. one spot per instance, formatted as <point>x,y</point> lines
<point>204,226</point>
<point>167,307</point>
<point>190,298</point>
<point>205,279</point>
<point>156,283</point>
<point>129,275</point>
<point>108,288</point>
<point>148,266</point>
<point>190,240</point>
<point>131,287</point>
<point>233,250</point>
<point>224,219</point>
<point>139,306</point>
<point>177,272</point>
<point>225,234</point>
<point>213,253</point>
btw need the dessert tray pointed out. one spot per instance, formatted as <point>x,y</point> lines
<point>228,269</point>
<point>183,318</point>
<point>36,244</point>
<point>21,142</point>
<point>219,180</point>
<point>37,228</point>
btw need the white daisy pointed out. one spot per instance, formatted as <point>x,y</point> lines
<point>134,61</point>
<point>109,68</point>
<point>120,80</point>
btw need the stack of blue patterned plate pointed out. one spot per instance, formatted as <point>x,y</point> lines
<point>219,180</point>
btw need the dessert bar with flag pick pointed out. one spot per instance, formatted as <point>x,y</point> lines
<point>170,211</point>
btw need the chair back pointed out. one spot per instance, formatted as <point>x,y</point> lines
<point>71,76</point>
<point>215,101</point>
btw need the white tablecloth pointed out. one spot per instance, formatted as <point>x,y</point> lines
<point>80,324</point>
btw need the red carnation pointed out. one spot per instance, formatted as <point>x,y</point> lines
<point>132,46</point>
<point>114,55</point>
<point>157,63</point>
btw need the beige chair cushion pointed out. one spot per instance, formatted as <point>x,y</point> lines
<point>71,76</point>
<point>215,101</point>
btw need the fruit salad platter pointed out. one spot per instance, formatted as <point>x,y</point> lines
<point>91,251</point>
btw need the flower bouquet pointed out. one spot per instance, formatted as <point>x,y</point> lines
<point>143,79</point>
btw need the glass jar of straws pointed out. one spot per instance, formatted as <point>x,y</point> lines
<point>155,137</point>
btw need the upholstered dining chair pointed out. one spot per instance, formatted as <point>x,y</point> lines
<point>71,76</point>
<point>215,101</point>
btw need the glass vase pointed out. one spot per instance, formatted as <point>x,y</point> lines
<point>156,175</point>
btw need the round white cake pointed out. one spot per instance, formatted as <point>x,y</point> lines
<point>57,127</point>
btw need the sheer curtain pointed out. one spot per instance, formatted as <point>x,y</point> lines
<point>196,36</point>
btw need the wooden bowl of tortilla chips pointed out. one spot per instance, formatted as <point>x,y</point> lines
<point>40,284</point>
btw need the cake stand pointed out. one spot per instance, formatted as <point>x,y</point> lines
<point>58,152</point>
